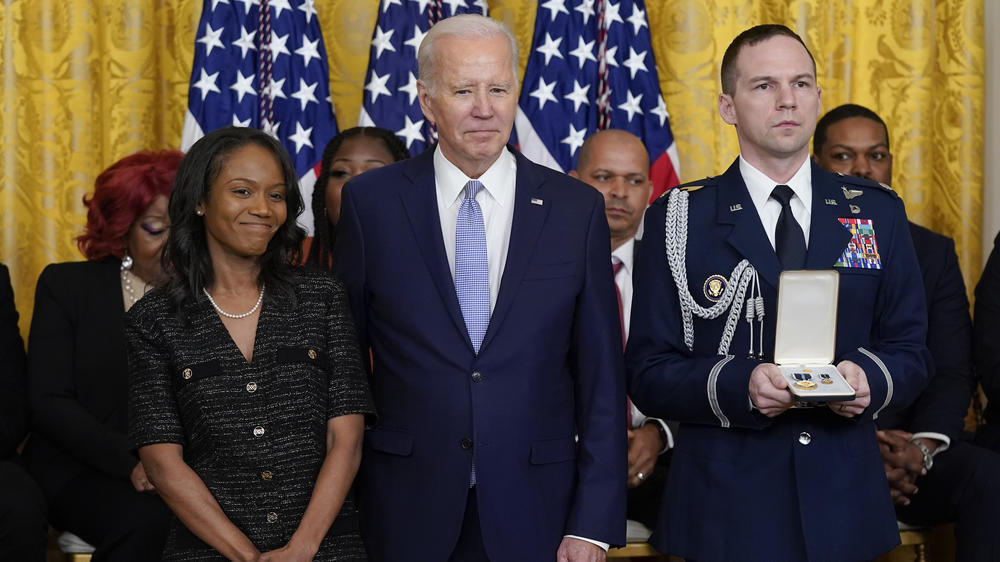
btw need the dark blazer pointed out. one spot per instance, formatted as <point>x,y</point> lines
<point>808,484</point>
<point>942,406</point>
<point>13,398</point>
<point>78,375</point>
<point>986,341</point>
<point>549,369</point>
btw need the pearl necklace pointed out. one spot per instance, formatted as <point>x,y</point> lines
<point>127,283</point>
<point>260,299</point>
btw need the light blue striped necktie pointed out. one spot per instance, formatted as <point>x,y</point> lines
<point>472,270</point>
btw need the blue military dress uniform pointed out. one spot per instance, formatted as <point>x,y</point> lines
<point>808,484</point>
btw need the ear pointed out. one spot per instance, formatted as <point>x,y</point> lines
<point>573,174</point>
<point>426,105</point>
<point>726,108</point>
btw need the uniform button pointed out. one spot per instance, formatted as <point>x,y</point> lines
<point>477,376</point>
<point>272,517</point>
<point>187,373</point>
<point>466,443</point>
<point>266,475</point>
<point>805,438</point>
<point>258,431</point>
<point>251,387</point>
<point>312,353</point>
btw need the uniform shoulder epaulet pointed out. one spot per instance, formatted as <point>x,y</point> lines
<point>689,187</point>
<point>851,181</point>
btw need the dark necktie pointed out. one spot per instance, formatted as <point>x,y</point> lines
<point>616,267</point>
<point>789,242</point>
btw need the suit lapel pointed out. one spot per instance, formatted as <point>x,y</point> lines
<point>827,236</point>
<point>525,231</point>
<point>420,202</point>
<point>747,237</point>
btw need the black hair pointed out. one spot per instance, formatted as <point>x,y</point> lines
<point>186,258</point>
<point>749,38</point>
<point>324,231</point>
<point>838,114</point>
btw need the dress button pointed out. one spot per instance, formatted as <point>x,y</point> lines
<point>312,353</point>
<point>187,373</point>
<point>251,387</point>
<point>266,475</point>
<point>258,431</point>
<point>805,438</point>
<point>466,443</point>
<point>272,517</point>
<point>477,376</point>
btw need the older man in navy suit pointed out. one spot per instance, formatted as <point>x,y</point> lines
<point>936,474</point>
<point>753,476</point>
<point>481,283</point>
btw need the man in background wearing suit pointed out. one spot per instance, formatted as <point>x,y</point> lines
<point>22,506</point>
<point>935,473</point>
<point>480,282</point>
<point>755,476</point>
<point>615,162</point>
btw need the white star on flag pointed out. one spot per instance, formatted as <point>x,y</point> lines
<point>308,51</point>
<point>574,139</point>
<point>382,41</point>
<point>243,86</point>
<point>635,61</point>
<point>207,83</point>
<point>305,93</point>
<point>211,39</point>
<point>543,93</point>
<point>376,86</point>
<point>411,131</point>
<point>301,137</point>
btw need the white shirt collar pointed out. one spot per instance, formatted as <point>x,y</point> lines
<point>760,185</point>
<point>496,180</point>
<point>625,254</point>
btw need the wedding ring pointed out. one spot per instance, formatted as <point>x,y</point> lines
<point>640,476</point>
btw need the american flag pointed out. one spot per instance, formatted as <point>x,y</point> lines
<point>390,96</point>
<point>262,64</point>
<point>591,67</point>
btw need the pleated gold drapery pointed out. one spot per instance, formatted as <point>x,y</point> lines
<point>86,82</point>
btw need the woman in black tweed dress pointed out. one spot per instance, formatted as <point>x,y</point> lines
<point>247,392</point>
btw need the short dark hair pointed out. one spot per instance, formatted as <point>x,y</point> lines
<point>838,114</point>
<point>749,38</point>
<point>324,231</point>
<point>185,257</point>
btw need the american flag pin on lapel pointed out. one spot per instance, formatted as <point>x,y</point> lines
<point>536,201</point>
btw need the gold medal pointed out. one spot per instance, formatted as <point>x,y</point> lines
<point>805,385</point>
<point>826,381</point>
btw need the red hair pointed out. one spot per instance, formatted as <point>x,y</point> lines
<point>121,194</point>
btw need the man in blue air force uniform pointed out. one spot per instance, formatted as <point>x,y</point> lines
<point>754,478</point>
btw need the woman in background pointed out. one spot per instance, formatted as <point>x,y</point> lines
<point>247,394</point>
<point>79,450</point>
<point>351,152</point>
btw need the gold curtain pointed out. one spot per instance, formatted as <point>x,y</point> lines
<point>86,82</point>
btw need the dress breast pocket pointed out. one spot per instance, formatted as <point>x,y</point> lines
<point>304,371</point>
<point>202,390</point>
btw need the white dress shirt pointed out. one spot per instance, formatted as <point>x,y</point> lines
<point>625,255</point>
<point>760,187</point>
<point>496,199</point>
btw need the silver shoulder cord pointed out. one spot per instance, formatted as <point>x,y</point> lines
<point>744,276</point>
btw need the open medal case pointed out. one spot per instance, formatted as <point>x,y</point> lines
<point>806,335</point>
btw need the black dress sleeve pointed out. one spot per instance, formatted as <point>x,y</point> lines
<point>348,384</point>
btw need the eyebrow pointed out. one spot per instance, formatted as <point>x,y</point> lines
<point>772,78</point>
<point>379,160</point>
<point>846,147</point>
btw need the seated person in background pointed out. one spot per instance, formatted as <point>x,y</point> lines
<point>986,346</point>
<point>78,371</point>
<point>22,506</point>
<point>247,392</point>
<point>351,152</point>
<point>616,163</point>
<point>936,475</point>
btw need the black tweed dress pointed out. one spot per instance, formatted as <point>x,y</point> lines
<point>255,432</point>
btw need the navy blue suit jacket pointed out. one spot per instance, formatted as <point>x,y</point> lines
<point>942,406</point>
<point>807,484</point>
<point>549,369</point>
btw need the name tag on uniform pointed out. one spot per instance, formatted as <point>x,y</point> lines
<point>862,250</point>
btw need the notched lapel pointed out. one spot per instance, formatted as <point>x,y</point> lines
<point>420,202</point>
<point>747,236</point>
<point>526,229</point>
<point>827,236</point>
